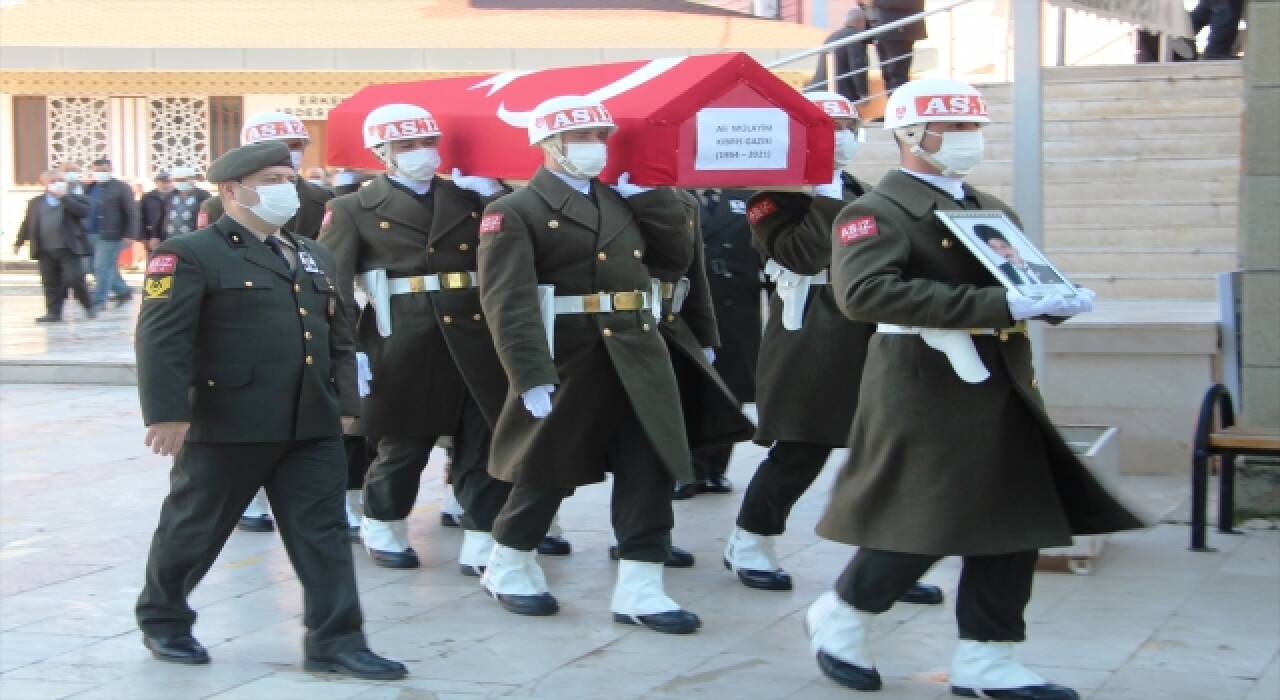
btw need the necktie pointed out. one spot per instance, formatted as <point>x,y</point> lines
<point>274,244</point>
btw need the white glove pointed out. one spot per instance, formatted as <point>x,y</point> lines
<point>1021,307</point>
<point>626,189</point>
<point>1083,300</point>
<point>483,186</point>
<point>710,354</point>
<point>363,374</point>
<point>537,401</point>
<point>833,189</point>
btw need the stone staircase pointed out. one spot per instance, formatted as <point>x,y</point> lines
<point>1141,174</point>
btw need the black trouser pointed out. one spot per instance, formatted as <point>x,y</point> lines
<point>780,481</point>
<point>60,270</point>
<point>640,506</point>
<point>210,485</point>
<point>1223,19</point>
<point>897,72</point>
<point>359,454</point>
<point>994,589</point>
<point>391,486</point>
<point>711,461</point>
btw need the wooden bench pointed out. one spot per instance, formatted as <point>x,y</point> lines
<point>1225,441</point>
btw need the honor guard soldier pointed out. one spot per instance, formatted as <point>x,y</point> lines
<point>735,277</point>
<point>409,238</point>
<point>952,453</point>
<point>289,130</point>
<point>564,280</point>
<point>246,374</point>
<point>808,347</point>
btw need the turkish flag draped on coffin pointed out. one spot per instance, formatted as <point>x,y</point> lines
<point>717,120</point>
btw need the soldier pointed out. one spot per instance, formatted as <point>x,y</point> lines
<point>735,276</point>
<point>808,347</point>
<point>563,282</point>
<point>952,453</point>
<point>246,374</point>
<point>411,238</point>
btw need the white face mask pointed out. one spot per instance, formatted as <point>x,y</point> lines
<point>316,181</point>
<point>57,188</point>
<point>960,153</point>
<point>587,159</point>
<point>276,203</point>
<point>295,157</point>
<point>100,176</point>
<point>182,186</point>
<point>418,165</point>
<point>846,147</point>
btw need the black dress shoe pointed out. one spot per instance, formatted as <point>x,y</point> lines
<point>256,523</point>
<point>716,483</point>
<point>670,622</point>
<point>847,674</point>
<point>358,664</point>
<point>684,491</point>
<point>178,649</point>
<point>538,604</point>
<point>450,520</point>
<point>922,594</point>
<point>471,570</point>
<point>553,546</point>
<point>408,559</point>
<point>679,558</point>
<point>49,318</point>
<point>1048,691</point>
<point>763,580</point>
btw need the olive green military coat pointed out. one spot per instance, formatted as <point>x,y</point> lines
<point>711,412</point>
<point>311,201</point>
<point>806,380</point>
<point>605,364</point>
<point>232,342</point>
<point>439,348</point>
<point>937,465</point>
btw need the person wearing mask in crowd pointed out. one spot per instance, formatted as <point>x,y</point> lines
<point>53,230</point>
<point>951,451</point>
<point>318,177</point>
<point>564,283</point>
<point>113,219</point>
<point>848,58</point>
<point>894,47</point>
<point>808,348</point>
<point>428,364</point>
<point>182,208</point>
<point>246,375</point>
<point>152,210</point>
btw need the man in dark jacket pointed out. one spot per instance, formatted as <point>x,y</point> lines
<point>52,225</point>
<point>849,57</point>
<point>112,222</point>
<point>152,210</point>
<point>894,46</point>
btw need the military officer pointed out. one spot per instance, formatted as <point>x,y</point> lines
<point>564,280</point>
<point>952,453</point>
<point>246,374</point>
<point>735,277</point>
<point>411,237</point>
<point>808,347</point>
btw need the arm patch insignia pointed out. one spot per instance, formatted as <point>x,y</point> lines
<point>162,264</point>
<point>857,229</point>
<point>761,209</point>
<point>491,223</point>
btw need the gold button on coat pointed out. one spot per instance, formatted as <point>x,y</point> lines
<point>447,319</point>
<point>671,317</point>
<point>477,317</point>
<point>607,332</point>
<point>463,247</point>
<point>475,215</point>
<point>637,254</point>
<point>946,243</point>
<point>311,360</point>
<point>1004,336</point>
<point>297,288</point>
<point>431,249</point>
<point>248,283</point>
<point>212,383</point>
<point>302,312</point>
<point>307,335</point>
<point>602,256</point>
<point>1035,383</point>
<point>384,224</point>
<point>644,326</point>
<point>553,224</point>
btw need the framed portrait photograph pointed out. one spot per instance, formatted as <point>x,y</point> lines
<point>992,238</point>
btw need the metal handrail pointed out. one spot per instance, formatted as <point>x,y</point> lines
<point>866,34</point>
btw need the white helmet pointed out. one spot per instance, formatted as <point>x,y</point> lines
<point>836,106</point>
<point>560,114</point>
<point>935,100</point>
<point>398,122</point>
<point>273,126</point>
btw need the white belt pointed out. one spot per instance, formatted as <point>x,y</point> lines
<point>675,292</point>
<point>601,303</point>
<point>957,345</point>
<point>793,290</point>
<point>432,283</point>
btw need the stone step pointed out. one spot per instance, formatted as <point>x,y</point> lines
<point>1188,87</point>
<point>1164,287</point>
<point>1142,71</point>
<point>1095,236</point>
<point>1101,109</point>
<point>1126,262</point>
<point>1000,172</point>
<point>1163,127</point>
<point>1218,190</point>
<point>1183,146</point>
<point>1119,214</point>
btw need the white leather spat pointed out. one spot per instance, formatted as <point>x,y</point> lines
<point>513,572</point>
<point>451,505</point>
<point>384,535</point>
<point>477,547</point>
<point>638,590</point>
<point>840,630</point>
<point>989,666</point>
<point>747,550</point>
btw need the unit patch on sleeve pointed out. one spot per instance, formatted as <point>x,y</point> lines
<point>157,288</point>
<point>858,229</point>
<point>162,264</point>
<point>328,216</point>
<point>491,223</point>
<point>761,209</point>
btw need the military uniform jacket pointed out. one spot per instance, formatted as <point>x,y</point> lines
<point>711,411</point>
<point>549,234</point>
<point>439,347</point>
<point>735,275</point>
<point>806,380</point>
<point>939,466</point>
<point>306,222</point>
<point>232,342</point>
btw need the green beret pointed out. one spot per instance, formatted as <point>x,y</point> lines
<point>241,162</point>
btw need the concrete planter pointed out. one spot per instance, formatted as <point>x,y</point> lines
<point>1098,448</point>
